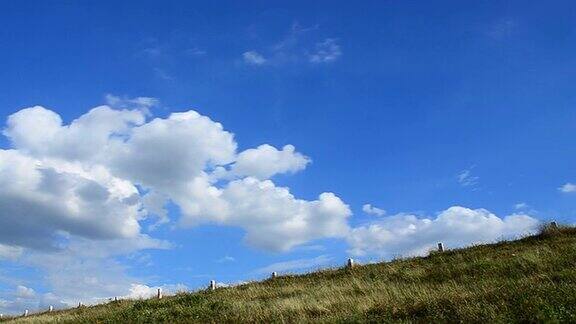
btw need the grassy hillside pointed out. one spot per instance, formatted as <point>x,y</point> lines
<point>533,279</point>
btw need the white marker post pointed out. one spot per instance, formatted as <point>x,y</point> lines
<point>350,263</point>
<point>274,275</point>
<point>554,225</point>
<point>212,285</point>
<point>50,309</point>
<point>159,294</point>
<point>440,247</point>
<point>26,313</point>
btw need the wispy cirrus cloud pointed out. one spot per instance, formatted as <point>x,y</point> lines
<point>467,179</point>
<point>299,264</point>
<point>294,47</point>
<point>254,58</point>
<point>326,51</point>
<point>226,259</point>
<point>162,56</point>
<point>503,28</point>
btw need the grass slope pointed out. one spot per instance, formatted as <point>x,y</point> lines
<point>533,279</point>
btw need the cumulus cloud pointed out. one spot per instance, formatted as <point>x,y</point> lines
<point>371,210</point>
<point>166,152</point>
<point>409,235</point>
<point>39,132</point>
<point>253,58</point>
<point>568,188</point>
<point>73,195</point>
<point>274,219</point>
<point>271,216</point>
<point>265,161</point>
<point>41,198</point>
<point>100,175</point>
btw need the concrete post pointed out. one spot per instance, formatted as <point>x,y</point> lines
<point>51,308</point>
<point>350,263</point>
<point>274,275</point>
<point>159,294</point>
<point>212,285</point>
<point>553,225</point>
<point>440,247</point>
<point>26,313</point>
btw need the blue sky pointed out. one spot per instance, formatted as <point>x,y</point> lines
<point>454,120</point>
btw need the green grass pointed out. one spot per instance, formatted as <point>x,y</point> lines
<point>528,280</point>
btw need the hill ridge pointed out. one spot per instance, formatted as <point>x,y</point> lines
<point>530,279</point>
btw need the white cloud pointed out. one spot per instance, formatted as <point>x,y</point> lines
<point>84,271</point>
<point>41,198</point>
<point>226,259</point>
<point>371,210</point>
<point>275,220</point>
<point>265,161</point>
<point>26,298</point>
<point>73,198</point>
<point>299,264</point>
<point>326,51</point>
<point>299,45</point>
<point>272,217</point>
<point>154,205</point>
<point>143,103</point>
<point>10,252</point>
<point>408,235</point>
<point>140,291</point>
<point>39,132</point>
<point>466,179</point>
<point>521,205</point>
<point>73,195</point>
<point>24,292</point>
<point>82,179</point>
<point>167,152</point>
<point>568,188</point>
<point>75,278</point>
<point>253,58</point>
